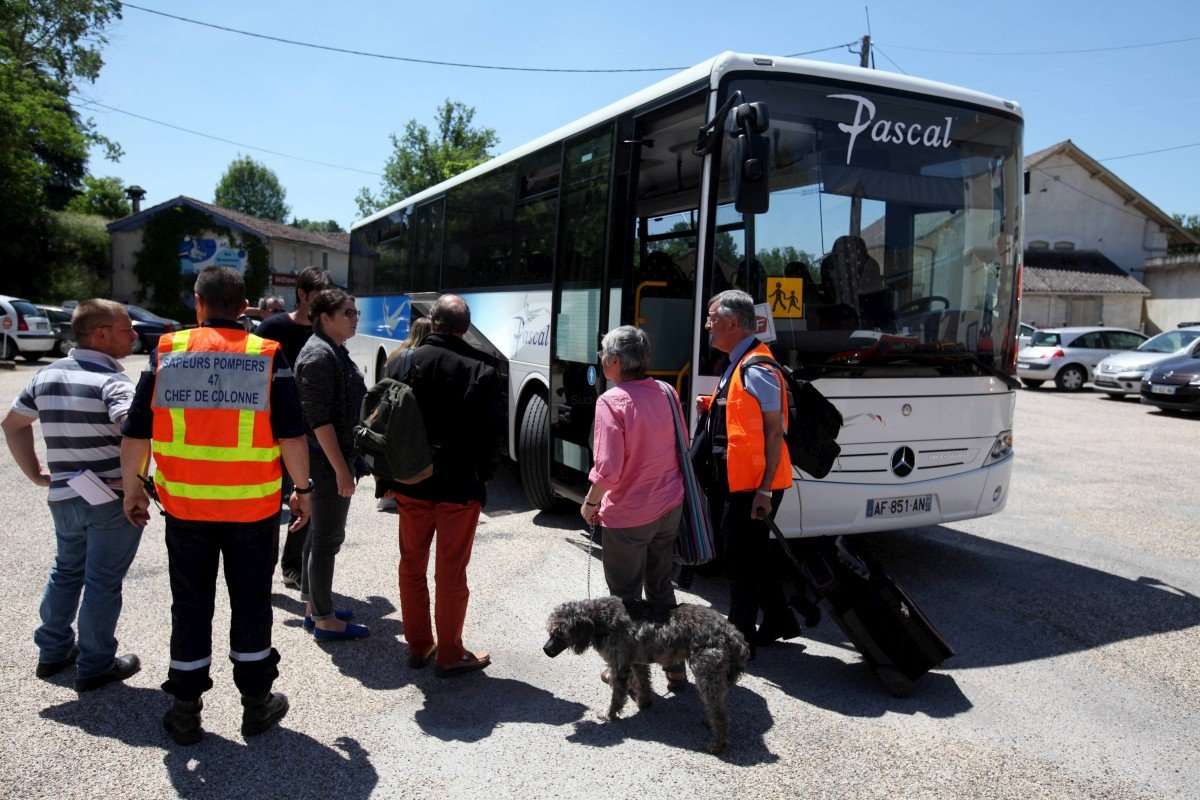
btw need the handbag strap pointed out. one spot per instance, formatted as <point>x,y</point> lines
<point>675,416</point>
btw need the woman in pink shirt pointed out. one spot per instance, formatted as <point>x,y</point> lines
<point>637,489</point>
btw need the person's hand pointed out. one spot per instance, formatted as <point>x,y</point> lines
<point>300,506</point>
<point>760,508</point>
<point>703,403</point>
<point>345,482</point>
<point>137,507</point>
<point>589,513</point>
<point>43,478</point>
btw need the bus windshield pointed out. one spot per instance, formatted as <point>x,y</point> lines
<point>891,245</point>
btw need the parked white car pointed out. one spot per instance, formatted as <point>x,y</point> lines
<point>24,330</point>
<point>1068,356</point>
<point>1122,374</point>
<point>1025,333</point>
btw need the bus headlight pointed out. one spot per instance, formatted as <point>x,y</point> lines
<point>1001,448</point>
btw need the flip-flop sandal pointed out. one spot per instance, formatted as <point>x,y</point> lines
<point>469,663</point>
<point>421,660</point>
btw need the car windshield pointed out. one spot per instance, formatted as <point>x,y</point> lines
<point>141,315</point>
<point>1044,339</point>
<point>883,253</point>
<point>1169,342</point>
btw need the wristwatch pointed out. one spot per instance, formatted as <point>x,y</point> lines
<point>764,493</point>
<point>298,490</point>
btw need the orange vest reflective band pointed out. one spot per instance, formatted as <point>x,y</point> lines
<point>746,453</point>
<point>217,458</point>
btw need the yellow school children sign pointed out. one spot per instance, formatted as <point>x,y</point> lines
<point>786,297</point>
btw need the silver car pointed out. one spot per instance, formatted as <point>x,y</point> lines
<point>1121,374</point>
<point>1025,334</point>
<point>1068,356</point>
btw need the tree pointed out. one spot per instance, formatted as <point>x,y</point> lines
<point>421,159</point>
<point>1190,223</point>
<point>252,188</point>
<point>101,196</point>
<point>328,226</point>
<point>46,48</point>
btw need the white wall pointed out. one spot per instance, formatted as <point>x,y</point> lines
<point>1055,212</point>
<point>1176,288</point>
<point>1054,311</point>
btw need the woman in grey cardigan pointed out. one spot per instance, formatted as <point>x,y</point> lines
<point>331,392</point>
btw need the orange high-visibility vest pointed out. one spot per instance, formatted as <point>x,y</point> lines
<point>746,452</point>
<point>217,458</point>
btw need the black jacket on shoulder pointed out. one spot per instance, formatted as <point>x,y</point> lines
<point>458,390</point>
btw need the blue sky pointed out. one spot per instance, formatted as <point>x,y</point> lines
<point>340,109</point>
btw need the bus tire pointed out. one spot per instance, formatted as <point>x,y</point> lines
<point>533,452</point>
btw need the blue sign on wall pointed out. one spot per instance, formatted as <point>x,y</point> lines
<point>385,316</point>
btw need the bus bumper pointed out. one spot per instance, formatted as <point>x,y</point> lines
<point>832,509</point>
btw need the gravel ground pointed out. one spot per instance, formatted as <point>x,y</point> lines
<point>1074,614</point>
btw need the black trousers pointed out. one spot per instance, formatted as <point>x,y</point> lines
<point>194,550</point>
<point>755,583</point>
<point>292,559</point>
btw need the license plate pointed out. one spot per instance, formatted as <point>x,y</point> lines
<point>43,326</point>
<point>1156,389</point>
<point>899,506</point>
<point>1023,364</point>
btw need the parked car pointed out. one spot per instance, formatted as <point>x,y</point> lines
<point>1068,356</point>
<point>1174,385</point>
<point>1122,374</point>
<point>148,326</point>
<point>60,322</point>
<point>25,330</point>
<point>1025,334</point>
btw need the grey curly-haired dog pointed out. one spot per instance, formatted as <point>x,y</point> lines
<point>701,637</point>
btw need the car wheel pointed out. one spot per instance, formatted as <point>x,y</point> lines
<point>1032,384</point>
<point>8,351</point>
<point>1070,378</point>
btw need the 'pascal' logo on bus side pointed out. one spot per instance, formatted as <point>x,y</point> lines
<point>885,130</point>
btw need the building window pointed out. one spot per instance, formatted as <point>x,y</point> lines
<point>1039,244</point>
<point>1064,246</point>
<point>325,261</point>
<point>1026,181</point>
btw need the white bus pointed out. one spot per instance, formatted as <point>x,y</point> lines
<point>889,246</point>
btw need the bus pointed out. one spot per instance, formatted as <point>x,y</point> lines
<point>881,215</point>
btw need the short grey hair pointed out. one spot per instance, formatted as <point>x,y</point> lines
<point>631,347</point>
<point>737,304</point>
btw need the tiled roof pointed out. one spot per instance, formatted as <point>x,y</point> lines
<point>265,228</point>
<point>1075,272</point>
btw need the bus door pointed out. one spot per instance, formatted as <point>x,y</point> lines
<point>579,306</point>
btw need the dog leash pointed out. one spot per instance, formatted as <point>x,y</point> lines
<point>588,552</point>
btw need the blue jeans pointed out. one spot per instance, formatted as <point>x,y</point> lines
<point>96,545</point>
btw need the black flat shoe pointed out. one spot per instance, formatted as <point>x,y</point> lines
<point>122,668</point>
<point>48,669</point>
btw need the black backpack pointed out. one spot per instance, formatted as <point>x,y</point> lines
<point>391,437</point>
<point>813,421</point>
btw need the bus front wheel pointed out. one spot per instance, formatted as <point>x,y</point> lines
<point>533,454</point>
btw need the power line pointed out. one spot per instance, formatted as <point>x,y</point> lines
<point>1045,52</point>
<point>1151,152</point>
<point>413,60</point>
<point>88,102</point>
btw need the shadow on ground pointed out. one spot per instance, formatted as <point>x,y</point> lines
<point>279,763</point>
<point>376,662</point>
<point>469,708</point>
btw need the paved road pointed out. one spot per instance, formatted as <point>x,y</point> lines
<point>1074,613</point>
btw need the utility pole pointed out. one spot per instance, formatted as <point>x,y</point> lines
<point>864,61</point>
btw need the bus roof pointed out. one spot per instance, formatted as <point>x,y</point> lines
<point>713,70</point>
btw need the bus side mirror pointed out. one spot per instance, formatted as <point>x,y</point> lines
<point>752,156</point>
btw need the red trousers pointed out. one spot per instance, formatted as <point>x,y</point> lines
<point>454,524</point>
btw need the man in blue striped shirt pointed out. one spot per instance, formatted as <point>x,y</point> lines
<point>81,401</point>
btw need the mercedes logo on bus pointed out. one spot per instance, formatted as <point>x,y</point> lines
<point>903,461</point>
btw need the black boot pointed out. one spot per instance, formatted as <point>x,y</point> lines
<point>259,714</point>
<point>182,721</point>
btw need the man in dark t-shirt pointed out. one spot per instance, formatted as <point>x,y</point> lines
<point>292,330</point>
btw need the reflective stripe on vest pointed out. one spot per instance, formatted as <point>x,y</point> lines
<point>198,476</point>
<point>746,455</point>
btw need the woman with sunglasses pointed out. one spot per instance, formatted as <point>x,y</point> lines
<point>331,392</point>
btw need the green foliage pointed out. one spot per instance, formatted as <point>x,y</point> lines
<point>774,261</point>
<point>157,263</point>
<point>328,226</point>
<point>77,262</point>
<point>1190,223</point>
<point>421,159</point>
<point>252,188</point>
<point>46,46</point>
<point>102,196</point>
